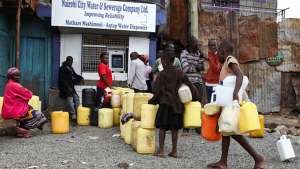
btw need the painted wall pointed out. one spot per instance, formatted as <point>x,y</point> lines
<point>139,45</point>
<point>71,46</point>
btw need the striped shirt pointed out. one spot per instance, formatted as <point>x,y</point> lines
<point>192,65</point>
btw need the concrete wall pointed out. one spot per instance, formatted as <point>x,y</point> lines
<point>138,44</point>
<point>71,46</point>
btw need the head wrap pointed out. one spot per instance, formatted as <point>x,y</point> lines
<point>13,71</point>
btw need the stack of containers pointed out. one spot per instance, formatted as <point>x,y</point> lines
<point>116,105</point>
<point>143,132</point>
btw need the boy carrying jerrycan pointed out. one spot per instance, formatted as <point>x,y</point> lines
<point>230,116</point>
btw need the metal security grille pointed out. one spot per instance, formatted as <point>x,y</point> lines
<point>94,45</point>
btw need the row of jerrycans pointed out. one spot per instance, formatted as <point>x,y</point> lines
<point>106,119</point>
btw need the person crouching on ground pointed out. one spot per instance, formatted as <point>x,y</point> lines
<point>170,111</point>
<point>15,105</point>
<point>231,68</point>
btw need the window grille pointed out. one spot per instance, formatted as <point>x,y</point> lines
<point>94,45</point>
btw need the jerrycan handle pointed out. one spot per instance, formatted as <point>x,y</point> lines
<point>283,137</point>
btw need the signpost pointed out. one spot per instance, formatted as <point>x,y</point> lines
<point>100,14</point>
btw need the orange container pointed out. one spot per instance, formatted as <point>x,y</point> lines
<point>209,129</point>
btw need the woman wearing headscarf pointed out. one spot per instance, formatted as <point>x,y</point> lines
<point>15,105</point>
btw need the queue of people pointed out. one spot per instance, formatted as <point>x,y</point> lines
<point>169,73</point>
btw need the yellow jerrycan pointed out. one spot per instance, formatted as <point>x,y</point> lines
<point>248,120</point>
<point>117,115</point>
<point>145,141</point>
<point>122,129</point>
<point>83,116</point>
<point>134,127</point>
<point>60,122</point>
<point>129,103</point>
<point>148,115</point>
<point>35,103</point>
<point>124,103</point>
<point>116,98</point>
<point>260,133</point>
<point>105,118</point>
<point>127,131</point>
<point>139,100</point>
<point>192,115</point>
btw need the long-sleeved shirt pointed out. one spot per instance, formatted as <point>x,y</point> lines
<point>192,65</point>
<point>136,76</point>
<point>15,102</point>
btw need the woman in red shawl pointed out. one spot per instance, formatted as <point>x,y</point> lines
<point>15,105</point>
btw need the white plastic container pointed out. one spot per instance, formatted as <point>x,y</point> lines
<point>223,94</point>
<point>285,148</point>
<point>228,121</point>
<point>116,101</point>
<point>230,82</point>
<point>185,94</point>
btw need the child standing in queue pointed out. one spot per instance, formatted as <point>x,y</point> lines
<point>231,68</point>
<point>169,115</point>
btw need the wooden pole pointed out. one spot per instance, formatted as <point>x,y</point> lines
<point>194,17</point>
<point>18,20</point>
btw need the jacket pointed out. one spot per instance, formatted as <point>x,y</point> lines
<point>15,101</point>
<point>166,88</point>
<point>67,78</point>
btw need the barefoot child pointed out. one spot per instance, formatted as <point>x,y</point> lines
<point>231,67</point>
<point>169,115</point>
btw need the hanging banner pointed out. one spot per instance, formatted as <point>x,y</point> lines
<point>100,14</point>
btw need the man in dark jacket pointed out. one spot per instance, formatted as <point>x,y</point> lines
<point>66,82</point>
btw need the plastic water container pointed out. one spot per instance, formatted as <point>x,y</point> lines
<point>211,109</point>
<point>145,141</point>
<point>139,100</point>
<point>230,81</point>
<point>127,131</point>
<point>105,118</point>
<point>209,129</point>
<point>148,116</point>
<point>223,94</point>
<point>35,103</point>
<point>83,116</point>
<point>129,102</point>
<point>192,115</point>
<point>60,122</point>
<point>185,94</point>
<point>115,101</point>
<point>260,133</point>
<point>285,148</point>
<point>248,118</point>
<point>134,127</point>
<point>229,119</point>
<point>117,114</point>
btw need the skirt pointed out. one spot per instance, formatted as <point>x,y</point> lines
<point>167,119</point>
<point>33,119</point>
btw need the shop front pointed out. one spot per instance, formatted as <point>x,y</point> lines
<point>90,27</point>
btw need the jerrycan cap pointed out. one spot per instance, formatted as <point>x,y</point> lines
<point>283,137</point>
